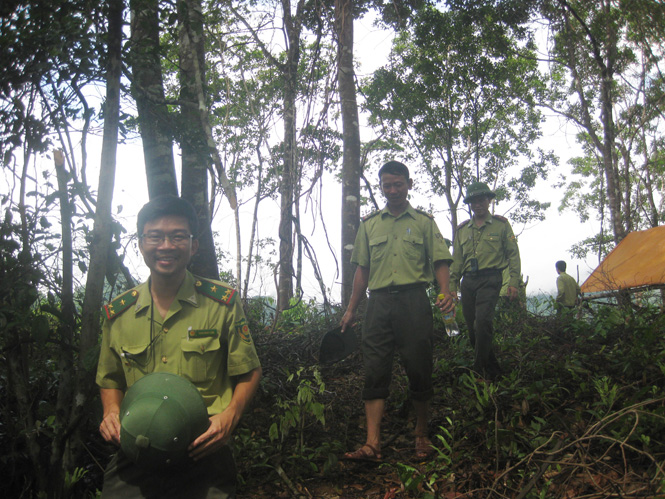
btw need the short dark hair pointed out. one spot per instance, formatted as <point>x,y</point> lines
<point>394,168</point>
<point>165,205</point>
<point>561,265</point>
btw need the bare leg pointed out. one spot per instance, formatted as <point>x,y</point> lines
<point>422,416</point>
<point>423,443</point>
<point>374,413</point>
<point>371,449</point>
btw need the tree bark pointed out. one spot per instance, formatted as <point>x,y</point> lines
<point>79,403</point>
<point>148,91</point>
<point>65,332</point>
<point>351,171</point>
<point>604,56</point>
<point>293,26</point>
<point>193,136</point>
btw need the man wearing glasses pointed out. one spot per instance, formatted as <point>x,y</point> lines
<point>181,324</point>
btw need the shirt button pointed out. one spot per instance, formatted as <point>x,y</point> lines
<point>164,359</point>
<point>166,330</point>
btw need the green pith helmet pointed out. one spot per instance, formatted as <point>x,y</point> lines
<point>160,416</point>
<point>478,189</point>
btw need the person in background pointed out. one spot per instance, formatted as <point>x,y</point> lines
<point>182,324</point>
<point>567,289</point>
<point>482,248</point>
<point>398,251</point>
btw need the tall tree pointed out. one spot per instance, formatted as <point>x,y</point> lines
<point>463,100</point>
<point>611,53</point>
<point>287,65</point>
<point>148,91</point>
<point>193,136</point>
<point>100,243</point>
<point>351,170</point>
<point>245,103</point>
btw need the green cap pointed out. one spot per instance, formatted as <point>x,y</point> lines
<point>161,414</point>
<point>478,189</point>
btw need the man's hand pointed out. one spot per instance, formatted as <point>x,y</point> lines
<point>360,280</point>
<point>110,428</point>
<point>347,319</point>
<point>216,436</point>
<point>511,292</point>
<point>222,425</point>
<point>446,302</point>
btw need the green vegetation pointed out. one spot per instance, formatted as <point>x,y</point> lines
<point>579,412</point>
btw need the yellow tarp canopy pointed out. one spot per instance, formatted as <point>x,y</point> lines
<point>638,260</point>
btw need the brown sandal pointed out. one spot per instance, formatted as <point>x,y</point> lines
<point>365,453</point>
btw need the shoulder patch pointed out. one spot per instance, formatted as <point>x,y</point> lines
<point>121,303</point>
<point>423,212</point>
<point>371,215</point>
<point>499,217</point>
<point>216,291</point>
<point>243,330</point>
<point>463,223</point>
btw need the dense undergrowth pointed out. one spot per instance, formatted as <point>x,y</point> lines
<point>579,412</point>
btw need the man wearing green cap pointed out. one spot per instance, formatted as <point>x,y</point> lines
<point>398,252</point>
<point>181,324</point>
<point>482,248</point>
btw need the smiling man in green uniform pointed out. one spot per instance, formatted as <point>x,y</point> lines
<point>398,250</point>
<point>181,324</point>
<point>482,248</point>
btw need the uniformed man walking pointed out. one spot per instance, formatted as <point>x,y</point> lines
<point>396,249</point>
<point>181,324</point>
<point>567,289</point>
<point>482,248</point>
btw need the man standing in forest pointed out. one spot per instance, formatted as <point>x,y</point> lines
<point>482,248</point>
<point>177,323</point>
<point>396,250</point>
<point>567,289</point>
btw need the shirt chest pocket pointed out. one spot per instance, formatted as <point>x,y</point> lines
<point>414,247</point>
<point>378,248</point>
<point>201,358</point>
<point>493,242</point>
<point>137,360</point>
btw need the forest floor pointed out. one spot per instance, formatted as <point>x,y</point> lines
<point>573,416</point>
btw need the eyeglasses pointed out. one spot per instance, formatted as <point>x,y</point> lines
<point>157,238</point>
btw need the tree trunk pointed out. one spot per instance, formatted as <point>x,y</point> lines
<point>351,171</point>
<point>255,219</point>
<point>609,155</point>
<point>193,137</point>
<point>287,185</point>
<point>148,91</point>
<point>65,335</point>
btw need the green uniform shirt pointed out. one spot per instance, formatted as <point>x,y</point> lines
<point>567,290</point>
<point>399,250</point>
<point>203,338</point>
<point>493,244</point>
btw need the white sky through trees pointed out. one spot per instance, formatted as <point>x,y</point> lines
<point>541,243</point>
